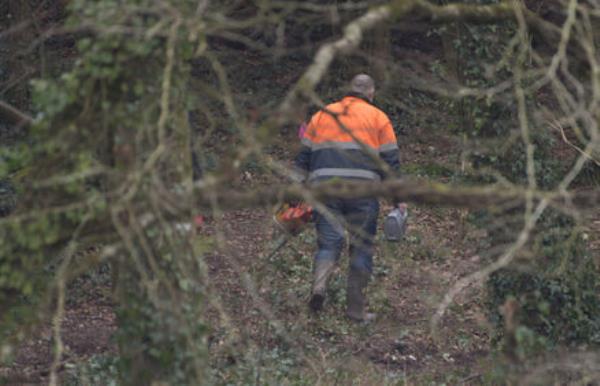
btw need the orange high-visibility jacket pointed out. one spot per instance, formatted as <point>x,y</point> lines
<point>348,139</point>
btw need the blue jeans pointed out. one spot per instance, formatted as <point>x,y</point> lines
<point>359,218</point>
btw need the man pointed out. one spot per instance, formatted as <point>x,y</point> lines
<point>349,139</point>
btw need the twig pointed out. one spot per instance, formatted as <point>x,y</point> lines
<point>470,378</point>
<point>559,127</point>
<point>14,115</point>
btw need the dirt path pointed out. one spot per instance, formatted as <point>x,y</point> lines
<point>409,280</point>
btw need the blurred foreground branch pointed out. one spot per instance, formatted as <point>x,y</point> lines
<point>416,11</point>
<point>417,192</point>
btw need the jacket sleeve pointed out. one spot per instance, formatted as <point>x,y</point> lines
<point>301,166</point>
<point>388,146</point>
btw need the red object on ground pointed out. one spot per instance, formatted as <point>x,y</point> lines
<point>198,221</point>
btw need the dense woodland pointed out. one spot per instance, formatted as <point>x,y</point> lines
<point>124,121</point>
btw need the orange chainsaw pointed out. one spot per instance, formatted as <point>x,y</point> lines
<point>292,220</point>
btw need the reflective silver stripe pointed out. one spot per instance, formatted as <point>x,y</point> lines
<point>388,147</point>
<point>339,172</point>
<point>297,175</point>
<point>333,145</point>
<point>338,145</point>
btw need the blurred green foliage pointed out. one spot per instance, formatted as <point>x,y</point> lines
<point>557,289</point>
<point>556,281</point>
<point>95,124</point>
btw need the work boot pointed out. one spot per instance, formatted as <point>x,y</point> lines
<point>355,296</point>
<point>323,269</point>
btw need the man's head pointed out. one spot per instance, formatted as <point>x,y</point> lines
<point>363,84</point>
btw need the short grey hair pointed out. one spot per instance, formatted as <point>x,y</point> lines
<point>363,84</point>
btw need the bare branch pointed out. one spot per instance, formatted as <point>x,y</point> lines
<point>418,192</point>
<point>14,115</point>
<point>419,10</point>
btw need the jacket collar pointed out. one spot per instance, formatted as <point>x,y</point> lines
<point>358,96</point>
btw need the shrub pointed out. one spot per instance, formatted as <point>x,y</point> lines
<point>556,289</point>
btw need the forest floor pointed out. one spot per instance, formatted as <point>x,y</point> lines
<point>264,330</point>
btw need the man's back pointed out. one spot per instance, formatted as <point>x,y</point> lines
<point>350,120</point>
<point>343,139</point>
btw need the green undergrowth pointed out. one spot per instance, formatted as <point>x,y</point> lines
<point>429,170</point>
<point>555,287</point>
<point>99,370</point>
